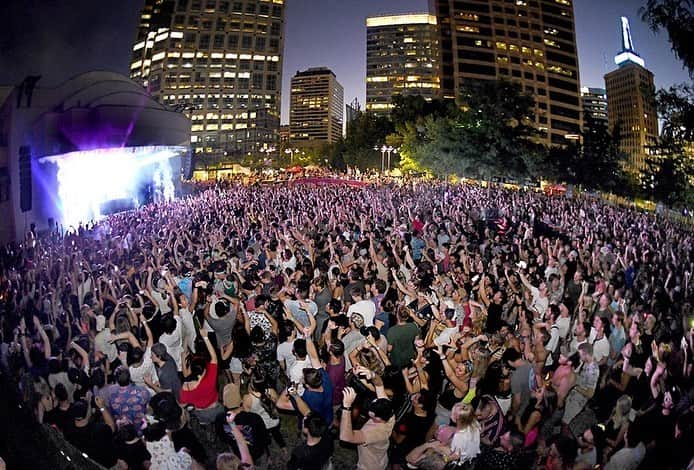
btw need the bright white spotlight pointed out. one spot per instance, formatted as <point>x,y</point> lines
<point>92,182</point>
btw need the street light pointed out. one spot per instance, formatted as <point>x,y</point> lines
<point>385,149</point>
<point>291,153</point>
<point>267,151</point>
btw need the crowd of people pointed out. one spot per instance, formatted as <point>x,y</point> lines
<point>422,325</point>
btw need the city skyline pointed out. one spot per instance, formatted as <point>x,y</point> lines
<point>50,40</point>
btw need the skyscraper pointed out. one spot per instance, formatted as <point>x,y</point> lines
<point>402,58</point>
<point>531,42</point>
<point>220,62</point>
<point>631,103</point>
<point>352,111</point>
<point>594,103</point>
<point>317,106</point>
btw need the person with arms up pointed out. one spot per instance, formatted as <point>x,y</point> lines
<point>373,439</point>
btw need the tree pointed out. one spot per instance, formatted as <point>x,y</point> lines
<point>412,108</point>
<point>490,136</point>
<point>601,161</point>
<point>365,132</point>
<point>669,175</point>
<point>677,18</point>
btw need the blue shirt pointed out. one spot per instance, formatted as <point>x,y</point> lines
<point>417,245</point>
<point>321,402</point>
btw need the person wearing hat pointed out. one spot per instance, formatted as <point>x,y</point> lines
<point>90,435</point>
<point>169,380</point>
<point>373,439</point>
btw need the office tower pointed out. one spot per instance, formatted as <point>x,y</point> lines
<point>631,103</point>
<point>402,58</point>
<point>594,104</point>
<point>316,106</point>
<point>219,62</point>
<point>352,111</point>
<point>531,42</point>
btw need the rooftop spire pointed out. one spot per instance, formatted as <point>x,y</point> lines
<point>628,53</point>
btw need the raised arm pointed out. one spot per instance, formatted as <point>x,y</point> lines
<point>205,337</point>
<point>311,349</point>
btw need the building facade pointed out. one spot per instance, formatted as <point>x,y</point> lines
<point>352,111</point>
<point>316,107</point>
<point>631,104</point>
<point>531,42</point>
<point>220,62</point>
<point>594,104</point>
<point>402,58</point>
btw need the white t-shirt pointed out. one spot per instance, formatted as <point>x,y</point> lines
<point>101,344</point>
<point>159,299</point>
<point>284,353</point>
<point>564,324</point>
<point>601,349</point>
<point>445,336</point>
<point>539,304</point>
<point>137,373</point>
<point>296,373</point>
<point>174,343</point>
<point>188,328</point>
<point>366,308</point>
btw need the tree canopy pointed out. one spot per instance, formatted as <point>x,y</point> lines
<point>676,17</point>
<point>491,135</point>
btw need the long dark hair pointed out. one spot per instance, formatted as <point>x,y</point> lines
<point>259,384</point>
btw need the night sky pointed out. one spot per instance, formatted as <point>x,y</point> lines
<point>61,38</point>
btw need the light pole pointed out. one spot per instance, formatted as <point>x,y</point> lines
<point>385,149</point>
<point>267,151</point>
<point>383,155</point>
<point>291,153</point>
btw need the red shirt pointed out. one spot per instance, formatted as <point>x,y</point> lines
<point>205,394</point>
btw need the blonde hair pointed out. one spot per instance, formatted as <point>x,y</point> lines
<point>620,414</point>
<point>369,359</point>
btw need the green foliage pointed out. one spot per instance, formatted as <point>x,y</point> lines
<point>670,170</point>
<point>596,163</point>
<point>677,18</point>
<point>491,136</point>
<point>413,108</point>
<point>676,111</point>
<point>667,177</point>
<point>364,133</point>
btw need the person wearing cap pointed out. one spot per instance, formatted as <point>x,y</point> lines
<point>373,439</point>
<point>350,335</point>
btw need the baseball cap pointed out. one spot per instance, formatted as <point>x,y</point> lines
<point>357,320</point>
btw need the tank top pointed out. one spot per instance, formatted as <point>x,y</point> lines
<point>258,408</point>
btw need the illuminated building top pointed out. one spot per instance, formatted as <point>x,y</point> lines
<point>416,18</point>
<point>628,53</point>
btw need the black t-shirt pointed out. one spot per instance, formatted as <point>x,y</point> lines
<point>415,429</point>
<point>306,457</point>
<point>135,454</point>
<point>95,440</point>
<point>493,318</point>
<point>59,418</point>
<point>253,429</point>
